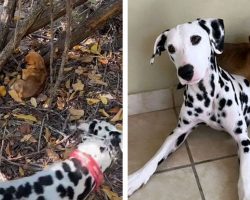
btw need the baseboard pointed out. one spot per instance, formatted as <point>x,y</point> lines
<point>154,100</point>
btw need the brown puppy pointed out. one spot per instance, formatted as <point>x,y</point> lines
<point>33,77</point>
<point>236,59</point>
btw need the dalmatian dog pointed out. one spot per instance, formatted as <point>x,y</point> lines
<point>75,177</point>
<point>212,96</point>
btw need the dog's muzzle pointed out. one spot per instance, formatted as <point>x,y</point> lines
<point>186,72</point>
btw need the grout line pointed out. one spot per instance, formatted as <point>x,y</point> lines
<point>195,163</point>
<point>194,171</point>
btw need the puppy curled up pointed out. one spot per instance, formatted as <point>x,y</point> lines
<point>33,76</point>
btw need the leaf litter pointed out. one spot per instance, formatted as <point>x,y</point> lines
<point>35,136</point>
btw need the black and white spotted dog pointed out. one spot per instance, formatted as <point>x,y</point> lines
<point>75,177</point>
<point>211,96</point>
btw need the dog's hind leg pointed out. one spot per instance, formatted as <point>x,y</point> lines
<point>172,142</point>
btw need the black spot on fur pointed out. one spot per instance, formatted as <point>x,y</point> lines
<point>74,177</point>
<point>190,98</point>
<point>92,126</point>
<point>172,58</point>
<point>240,86</point>
<point>161,44</point>
<point>60,189</point>
<point>70,192</point>
<point>180,139</point>
<point>45,180</point>
<point>199,97</point>
<point>102,149</point>
<point>216,30</point>
<point>238,130</point>
<point>86,190</point>
<point>246,82</point>
<point>189,112</point>
<point>78,165</point>
<point>243,98</point>
<point>224,75</point>
<point>212,85</point>
<point>246,149</point>
<point>41,198</point>
<point>160,161</point>
<point>107,128</point>
<point>66,167</point>
<point>213,118</point>
<point>198,110</point>
<point>7,196</point>
<point>229,102</point>
<point>59,175</point>
<point>202,24</point>
<point>38,188</point>
<point>221,82</point>
<point>23,191</point>
<point>99,127</point>
<point>245,142</point>
<point>222,103</point>
<point>226,88</point>
<point>239,123</point>
<point>185,121</point>
<point>223,114</point>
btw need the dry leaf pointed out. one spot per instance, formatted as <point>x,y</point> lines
<point>47,134</point>
<point>99,82</point>
<point>52,155</point>
<point>92,101</point>
<point>73,56</point>
<point>15,96</point>
<point>60,103</point>
<point>2,91</point>
<point>117,117</point>
<point>8,150</point>
<point>86,59</point>
<point>103,60</point>
<point>78,86</point>
<point>104,113</point>
<point>29,138</point>
<point>79,71</point>
<point>25,128</point>
<point>67,84</point>
<point>67,69</point>
<point>111,195</point>
<point>103,99</point>
<point>75,114</point>
<point>119,126</point>
<point>95,49</point>
<point>108,96</point>
<point>21,171</point>
<point>33,102</point>
<point>25,117</point>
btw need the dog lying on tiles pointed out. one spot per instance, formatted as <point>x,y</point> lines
<point>212,96</point>
<point>33,76</point>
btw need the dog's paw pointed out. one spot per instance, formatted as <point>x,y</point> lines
<point>135,181</point>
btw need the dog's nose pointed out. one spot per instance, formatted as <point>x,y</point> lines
<point>186,72</point>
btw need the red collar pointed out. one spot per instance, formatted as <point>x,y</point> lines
<point>87,161</point>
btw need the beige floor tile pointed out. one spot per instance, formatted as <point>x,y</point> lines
<point>206,143</point>
<point>173,185</point>
<point>219,179</point>
<point>146,134</point>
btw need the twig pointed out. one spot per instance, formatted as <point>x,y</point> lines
<point>37,168</point>
<point>53,91</point>
<point>17,22</point>
<point>40,135</point>
<point>28,155</point>
<point>57,131</point>
<point>1,150</point>
<point>51,41</point>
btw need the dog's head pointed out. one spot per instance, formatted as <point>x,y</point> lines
<point>101,140</point>
<point>191,47</point>
<point>34,60</point>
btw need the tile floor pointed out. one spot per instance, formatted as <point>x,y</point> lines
<point>204,168</point>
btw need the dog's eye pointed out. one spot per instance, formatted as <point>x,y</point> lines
<point>195,39</point>
<point>171,49</point>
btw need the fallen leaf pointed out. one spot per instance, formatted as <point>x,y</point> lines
<point>33,102</point>
<point>8,150</point>
<point>52,155</point>
<point>103,99</point>
<point>79,70</point>
<point>15,96</point>
<point>103,60</point>
<point>73,56</point>
<point>92,101</point>
<point>111,195</point>
<point>86,59</point>
<point>67,84</point>
<point>67,69</point>
<point>117,117</point>
<point>47,134</point>
<point>95,49</point>
<point>25,128</point>
<point>108,96</point>
<point>25,117</point>
<point>2,91</point>
<point>78,86</point>
<point>72,96</point>
<point>119,126</point>
<point>60,103</point>
<point>99,82</point>
<point>29,138</point>
<point>104,113</point>
<point>76,114</point>
<point>21,171</point>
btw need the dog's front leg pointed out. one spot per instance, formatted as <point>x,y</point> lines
<point>172,142</point>
<point>244,178</point>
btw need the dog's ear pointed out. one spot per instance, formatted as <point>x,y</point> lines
<point>159,45</point>
<point>216,32</point>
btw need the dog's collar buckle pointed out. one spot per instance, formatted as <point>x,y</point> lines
<point>93,167</point>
